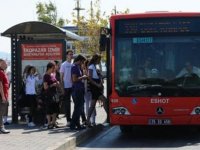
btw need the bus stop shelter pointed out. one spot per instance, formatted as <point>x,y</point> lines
<point>31,32</point>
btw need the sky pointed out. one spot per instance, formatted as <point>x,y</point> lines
<point>13,12</point>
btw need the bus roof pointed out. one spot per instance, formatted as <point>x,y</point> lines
<point>155,14</point>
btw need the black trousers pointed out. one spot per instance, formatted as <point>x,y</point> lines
<point>67,103</point>
<point>32,103</point>
<point>78,98</point>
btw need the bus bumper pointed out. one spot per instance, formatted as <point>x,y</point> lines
<point>155,120</point>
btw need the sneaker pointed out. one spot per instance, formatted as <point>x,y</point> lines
<point>31,124</point>
<point>4,131</point>
<point>6,123</point>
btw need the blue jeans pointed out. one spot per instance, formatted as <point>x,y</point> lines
<point>78,98</point>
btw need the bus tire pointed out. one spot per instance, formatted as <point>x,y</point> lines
<point>125,128</point>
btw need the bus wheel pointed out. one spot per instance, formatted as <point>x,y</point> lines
<point>126,128</point>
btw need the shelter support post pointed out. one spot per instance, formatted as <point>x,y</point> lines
<point>15,77</point>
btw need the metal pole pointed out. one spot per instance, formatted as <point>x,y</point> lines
<point>78,9</point>
<point>15,87</point>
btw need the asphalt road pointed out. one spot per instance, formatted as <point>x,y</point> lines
<point>146,138</point>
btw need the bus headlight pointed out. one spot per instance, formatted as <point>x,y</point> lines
<point>120,111</point>
<point>196,111</point>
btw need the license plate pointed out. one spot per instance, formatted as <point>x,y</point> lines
<point>159,122</point>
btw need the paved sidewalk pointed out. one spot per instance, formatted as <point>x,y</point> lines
<point>26,138</point>
<point>23,137</point>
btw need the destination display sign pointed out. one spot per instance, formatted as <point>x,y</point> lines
<point>158,25</point>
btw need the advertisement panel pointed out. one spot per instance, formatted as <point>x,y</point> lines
<point>45,51</point>
<point>39,53</point>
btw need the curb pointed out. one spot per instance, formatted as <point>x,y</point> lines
<point>78,138</point>
<point>89,133</point>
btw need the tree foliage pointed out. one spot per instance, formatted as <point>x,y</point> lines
<point>90,28</point>
<point>47,12</point>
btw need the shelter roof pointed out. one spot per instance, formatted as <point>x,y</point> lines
<point>40,30</point>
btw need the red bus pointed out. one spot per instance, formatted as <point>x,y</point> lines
<point>154,69</point>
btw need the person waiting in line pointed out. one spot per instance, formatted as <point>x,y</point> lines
<point>21,101</point>
<point>5,117</point>
<point>56,75</point>
<point>189,69</point>
<point>96,86</point>
<point>30,90</point>
<point>66,82</point>
<point>77,92</point>
<point>88,94</point>
<point>83,71</point>
<point>4,87</point>
<point>49,86</point>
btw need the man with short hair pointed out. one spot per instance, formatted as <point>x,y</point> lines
<point>77,92</point>
<point>65,72</point>
<point>4,87</point>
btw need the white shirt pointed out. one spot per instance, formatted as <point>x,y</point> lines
<point>30,84</point>
<point>94,72</point>
<point>66,70</point>
<point>184,71</point>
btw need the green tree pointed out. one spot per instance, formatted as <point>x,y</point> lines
<point>47,12</point>
<point>90,28</point>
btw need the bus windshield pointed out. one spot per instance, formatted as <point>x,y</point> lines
<point>157,65</point>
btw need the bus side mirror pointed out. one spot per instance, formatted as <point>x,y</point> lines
<point>104,41</point>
